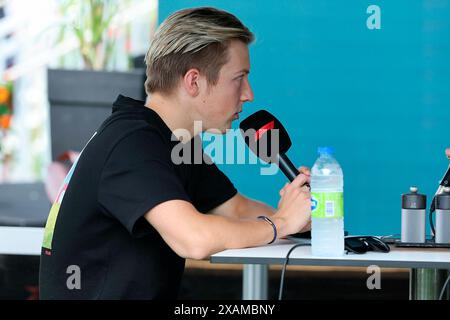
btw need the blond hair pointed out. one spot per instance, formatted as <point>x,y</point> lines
<point>191,38</point>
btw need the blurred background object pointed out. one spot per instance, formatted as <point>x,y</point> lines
<point>6,111</point>
<point>101,31</point>
<point>67,61</point>
<point>64,35</point>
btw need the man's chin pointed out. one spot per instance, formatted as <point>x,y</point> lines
<point>224,131</point>
<point>218,131</point>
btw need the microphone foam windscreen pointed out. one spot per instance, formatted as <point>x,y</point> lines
<point>265,135</point>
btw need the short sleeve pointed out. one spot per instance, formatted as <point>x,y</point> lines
<point>137,176</point>
<point>212,186</point>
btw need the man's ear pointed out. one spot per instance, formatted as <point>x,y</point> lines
<point>191,82</point>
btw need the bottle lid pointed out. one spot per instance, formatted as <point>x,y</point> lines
<point>325,150</point>
<point>414,200</point>
<point>443,200</point>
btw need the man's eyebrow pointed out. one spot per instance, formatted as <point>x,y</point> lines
<point>246,71</point>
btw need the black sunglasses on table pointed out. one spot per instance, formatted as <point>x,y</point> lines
<point>362,244</point>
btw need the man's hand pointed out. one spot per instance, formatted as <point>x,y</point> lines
<point>303,170</point>
<point>447,152</point>
<point>294,207</point>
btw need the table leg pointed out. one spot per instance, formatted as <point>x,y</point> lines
<point>426,284</point>
<point>255,281</point>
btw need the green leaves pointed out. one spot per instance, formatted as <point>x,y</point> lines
<point>91,26</point>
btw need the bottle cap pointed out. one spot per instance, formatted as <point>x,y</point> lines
<point>325,150</point>
<point>414,200</point>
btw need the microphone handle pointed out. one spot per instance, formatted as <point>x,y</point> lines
<point>287,167</point>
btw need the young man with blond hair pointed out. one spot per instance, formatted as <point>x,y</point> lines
<point>127,217</point>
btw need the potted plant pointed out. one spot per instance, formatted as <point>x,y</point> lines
<point>80,99</point>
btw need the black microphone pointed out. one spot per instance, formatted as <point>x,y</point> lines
<point>269,141</point>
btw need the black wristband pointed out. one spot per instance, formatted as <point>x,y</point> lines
<point>273,226</point>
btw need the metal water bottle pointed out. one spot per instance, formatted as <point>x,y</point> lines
<point>413,216</point>
<point>443,216</point>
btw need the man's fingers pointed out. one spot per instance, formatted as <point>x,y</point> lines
<point>306,188</point>
<point>299,181</point>
<point>307,227</point>
<point>283,189</point>
<point>305,170</point>
<point>447,152</point>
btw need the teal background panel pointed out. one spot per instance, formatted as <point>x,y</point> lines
<point>381,98</point>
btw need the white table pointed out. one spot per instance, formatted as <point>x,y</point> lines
<point>424,264</point>
<point>21,240</point>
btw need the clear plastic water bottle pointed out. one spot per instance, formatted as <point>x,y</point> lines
<point>327,200</point>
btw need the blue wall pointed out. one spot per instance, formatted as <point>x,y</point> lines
<point>380,97</point>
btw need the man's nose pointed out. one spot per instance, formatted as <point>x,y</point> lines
<point>247,92</point>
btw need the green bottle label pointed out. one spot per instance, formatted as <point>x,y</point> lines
<point>327,204</point>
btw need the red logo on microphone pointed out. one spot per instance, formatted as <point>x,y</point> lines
<point>263,129</point>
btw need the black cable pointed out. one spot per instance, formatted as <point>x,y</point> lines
<point>432,209</point>
<point>286,261</point>
<point>443,288</point>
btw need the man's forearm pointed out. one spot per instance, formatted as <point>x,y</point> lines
<point>231,233</point>
<point>252,209</point>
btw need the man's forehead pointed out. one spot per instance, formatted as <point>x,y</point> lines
<point>239,60</point>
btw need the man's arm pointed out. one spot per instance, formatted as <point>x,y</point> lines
<point>192,234</point>
<point>241,207</point>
